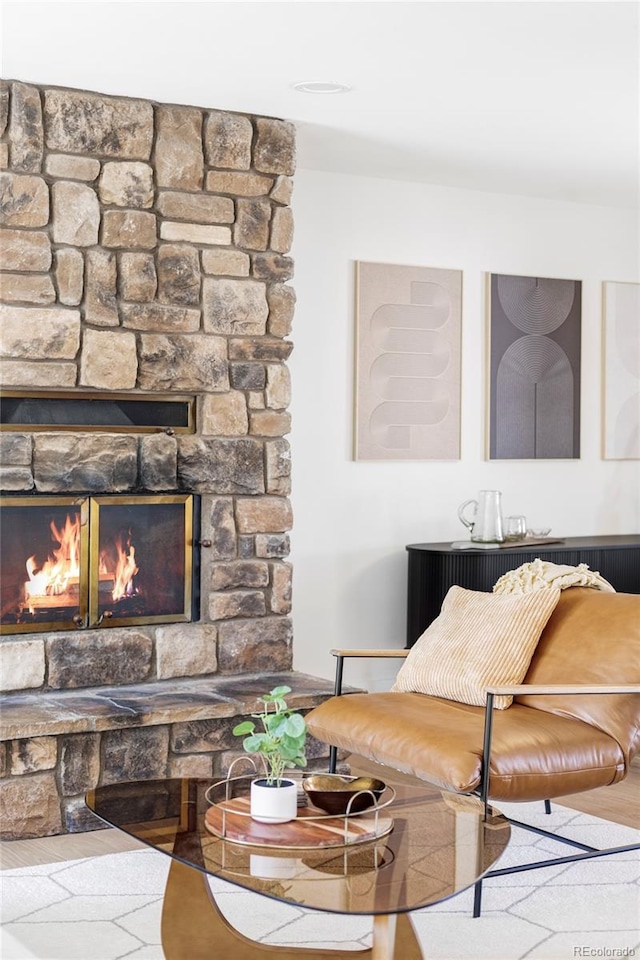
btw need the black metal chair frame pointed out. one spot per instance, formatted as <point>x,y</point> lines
<point>587,852</point>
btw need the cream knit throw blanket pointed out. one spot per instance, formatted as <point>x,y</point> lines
<point>539,574</point>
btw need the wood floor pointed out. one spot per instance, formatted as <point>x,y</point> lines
<point>620,803</point>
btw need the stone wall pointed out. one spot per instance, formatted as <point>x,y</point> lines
<point>143,249</point>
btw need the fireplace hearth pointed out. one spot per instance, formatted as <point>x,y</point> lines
<point>86,562</point>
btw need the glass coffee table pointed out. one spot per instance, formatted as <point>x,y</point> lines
<point>420,848</point>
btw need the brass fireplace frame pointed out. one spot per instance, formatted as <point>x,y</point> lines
<point>88,615</point>
<point>98,620</point>
<point>187,402</point>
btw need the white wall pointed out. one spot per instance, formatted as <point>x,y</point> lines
<point>352,520</point>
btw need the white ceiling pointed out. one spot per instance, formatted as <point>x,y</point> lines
<point>537,98</point>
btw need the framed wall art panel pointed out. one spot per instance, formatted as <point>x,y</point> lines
<point>534,327</point>
<point>621,371</point>
<point>407,358</point>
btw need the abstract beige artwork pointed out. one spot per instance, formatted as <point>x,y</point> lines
<point>621,371</point>
<point>408,323</point>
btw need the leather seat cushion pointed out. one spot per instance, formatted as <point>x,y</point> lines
<point>535,754</point>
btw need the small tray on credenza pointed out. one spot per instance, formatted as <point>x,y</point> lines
<point>506,544</point>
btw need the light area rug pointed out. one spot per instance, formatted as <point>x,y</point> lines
<point>108,907</point>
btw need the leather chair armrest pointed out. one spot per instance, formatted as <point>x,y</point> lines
<point>341,654</point>
<point>369,653</point>
<point>523,689</point>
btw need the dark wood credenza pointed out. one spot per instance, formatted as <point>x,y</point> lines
<point>434,567</point>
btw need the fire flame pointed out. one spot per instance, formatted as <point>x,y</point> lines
<point>61,570</point>
<point>58,570</point>
<point>126,569</point>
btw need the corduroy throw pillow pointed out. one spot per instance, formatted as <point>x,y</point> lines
<point>479,640</point>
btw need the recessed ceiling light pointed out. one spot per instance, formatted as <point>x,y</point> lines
<point>321,86</point>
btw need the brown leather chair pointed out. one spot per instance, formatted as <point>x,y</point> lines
<point>574,724</point>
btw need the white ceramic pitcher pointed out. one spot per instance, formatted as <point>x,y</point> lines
<point>486,525</point>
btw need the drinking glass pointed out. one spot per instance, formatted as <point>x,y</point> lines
<point>515,528</point>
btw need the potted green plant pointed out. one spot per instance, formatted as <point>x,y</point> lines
<point>279,740</point>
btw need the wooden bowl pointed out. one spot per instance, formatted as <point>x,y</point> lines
<point>332,793</point>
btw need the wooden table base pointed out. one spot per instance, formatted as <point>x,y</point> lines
<point>193,928</point>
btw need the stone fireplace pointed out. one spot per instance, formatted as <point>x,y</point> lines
<point>144,253</point>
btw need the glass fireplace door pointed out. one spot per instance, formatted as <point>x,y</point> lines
<point>43,563</point>
<point>141,558</point>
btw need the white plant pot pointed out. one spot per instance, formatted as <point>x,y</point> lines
<point>273,804</point>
